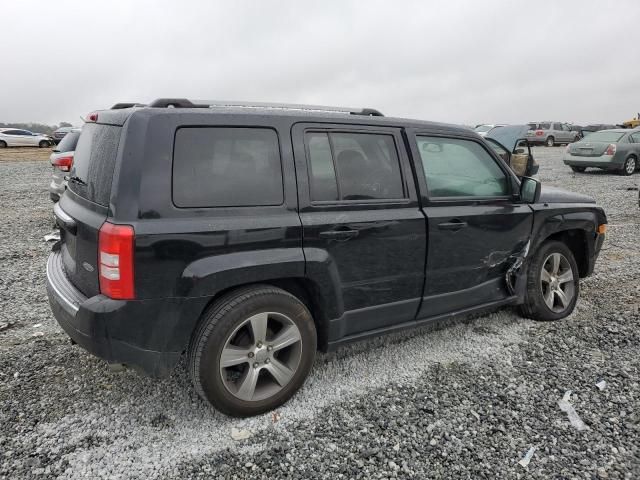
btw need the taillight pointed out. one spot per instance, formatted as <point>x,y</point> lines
<point>539,133</point>
<point>92,117</point>
<point>611,149</point>
<point>63,163</point>
<point>115,260</point>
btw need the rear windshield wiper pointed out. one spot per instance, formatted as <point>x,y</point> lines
<point>76,179</point>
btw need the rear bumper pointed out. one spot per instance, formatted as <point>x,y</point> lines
<point>112,329</point>
<point>604,162</point>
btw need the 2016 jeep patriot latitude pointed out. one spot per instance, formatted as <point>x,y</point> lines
<point>249,237</point>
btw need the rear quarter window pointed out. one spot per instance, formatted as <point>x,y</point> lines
<point>226,167</point>
<point>94,162</point>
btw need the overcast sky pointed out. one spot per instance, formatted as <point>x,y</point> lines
<point>454,61</point>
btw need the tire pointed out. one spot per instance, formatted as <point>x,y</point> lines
<point>629,166</point>
<point>44,144</point>
<point>578,169</point>
<point>541,300</point>
<point>550,142</point>
<point>3,144</point>
<point>233,324</point>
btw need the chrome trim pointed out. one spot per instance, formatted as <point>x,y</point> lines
<point>65,303</point>
<point>61,214</point>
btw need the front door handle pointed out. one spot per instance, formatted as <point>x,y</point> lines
<point>454,225</point>
<point>339,234</point>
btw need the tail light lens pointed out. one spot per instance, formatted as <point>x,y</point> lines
<point>115,261</point>
<point>539,133</point>
<point>63,163</point>
<point>92,117</point>
<point>611,150</point>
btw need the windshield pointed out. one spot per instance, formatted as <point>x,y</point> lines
<point>68,143</point>
<point>483,128</point>
<point>604,136</point>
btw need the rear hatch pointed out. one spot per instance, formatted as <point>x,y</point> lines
<point>84,208</point>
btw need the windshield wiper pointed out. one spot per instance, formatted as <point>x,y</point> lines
<point>76,179</point>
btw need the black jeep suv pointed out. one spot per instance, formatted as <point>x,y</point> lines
<point>248,237</point>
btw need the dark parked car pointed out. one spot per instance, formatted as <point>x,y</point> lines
<point>61,160</point>
<point>60,133</point>
<point>247,237</point>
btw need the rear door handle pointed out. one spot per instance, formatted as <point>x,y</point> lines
<point>454,224</point>
<point>339,234</point>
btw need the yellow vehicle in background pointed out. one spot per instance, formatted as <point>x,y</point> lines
<point>633,123</point>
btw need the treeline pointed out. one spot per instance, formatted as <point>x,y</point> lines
<point>35,127</point>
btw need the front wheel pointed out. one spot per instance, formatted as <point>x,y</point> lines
<point>553,283</point>
<point>551,141</point>
<point>3,144</point>
<point>578,169</point>
<point>629,166</point>
<point>253,350</point>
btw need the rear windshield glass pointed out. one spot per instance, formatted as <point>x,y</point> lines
<point>603,136</point>
<point>68,143</point>
<point>226,167</point>
<point>94,162</point>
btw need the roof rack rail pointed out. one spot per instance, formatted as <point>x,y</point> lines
<point>185,103</point>
<point>121,105</point>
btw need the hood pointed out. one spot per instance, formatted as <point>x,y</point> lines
<point>508,135</point>
<point>557,195</point>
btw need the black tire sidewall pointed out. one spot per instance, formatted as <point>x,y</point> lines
<point>210,347</point>
<point>550,141</point>
<point>3,144</point>
<point>536,306</point>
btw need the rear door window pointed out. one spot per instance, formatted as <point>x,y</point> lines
<point>94,162</point>
<point>226,167</point>
<point>353,166</point>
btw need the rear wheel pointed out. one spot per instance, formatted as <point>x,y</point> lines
<point>44,144</point>
<point>578,169</point>
<point>3,144</point>
<point>552,283</point>
<point>252,351</point>
<point>551,141</point>
<point>629,166</point>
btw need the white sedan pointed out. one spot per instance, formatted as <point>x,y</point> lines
<point>13,137</point>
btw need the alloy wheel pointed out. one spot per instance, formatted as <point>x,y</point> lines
<point>557,282</point>
<point>261,356</point>
<point>630,166</point>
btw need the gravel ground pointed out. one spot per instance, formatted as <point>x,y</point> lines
<point>464,401</point>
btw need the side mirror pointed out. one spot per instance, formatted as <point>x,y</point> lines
<point>530,190</point>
